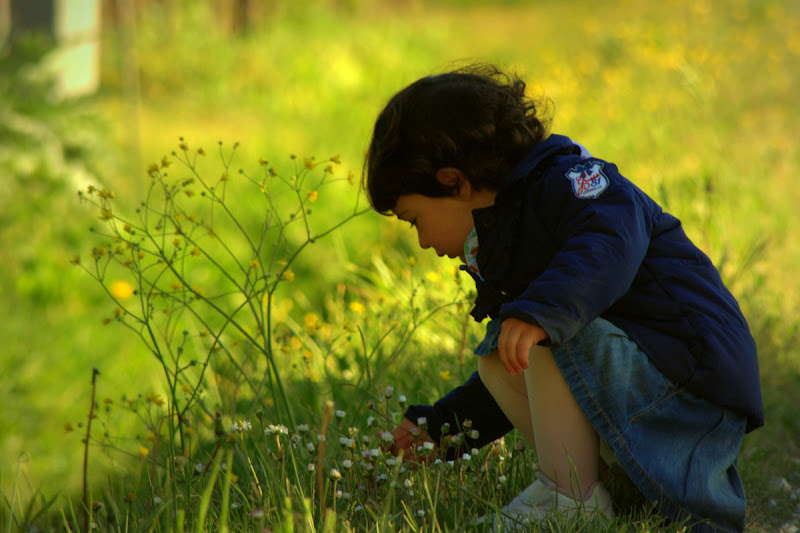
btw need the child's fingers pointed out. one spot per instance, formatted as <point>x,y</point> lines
<point>507,345</point>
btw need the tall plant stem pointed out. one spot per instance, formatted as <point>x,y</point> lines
<point>86,503</point>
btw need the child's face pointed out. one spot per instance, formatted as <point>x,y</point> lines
<point>444,223</point>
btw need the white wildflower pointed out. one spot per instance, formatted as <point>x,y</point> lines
<point>241,425</point>
<point>335,474</point>
<point>276,429</point>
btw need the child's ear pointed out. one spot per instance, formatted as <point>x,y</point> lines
<point>455,179</point>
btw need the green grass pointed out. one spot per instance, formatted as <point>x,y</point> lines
<point>694,101</point>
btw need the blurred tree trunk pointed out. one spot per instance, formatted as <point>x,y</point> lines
<point>126,13</point>
<point>240,16</point>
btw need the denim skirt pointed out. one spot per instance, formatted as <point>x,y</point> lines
<point>678,449</point>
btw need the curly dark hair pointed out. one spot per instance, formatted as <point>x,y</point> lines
<point>476,119</point>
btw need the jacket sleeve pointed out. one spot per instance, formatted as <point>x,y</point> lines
<point>470,401</point>
<point>601,238</point>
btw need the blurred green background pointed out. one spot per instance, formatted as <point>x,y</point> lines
<point>695,100</point>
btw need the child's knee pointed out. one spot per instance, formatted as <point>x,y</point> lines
<point>490,367</point>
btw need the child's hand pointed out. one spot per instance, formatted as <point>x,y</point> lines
<point>407,436</point>
<point>515,342</point>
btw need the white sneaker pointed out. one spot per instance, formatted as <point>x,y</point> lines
<point>542,499</point>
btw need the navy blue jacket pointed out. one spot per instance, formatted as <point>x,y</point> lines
<point>569,240</point>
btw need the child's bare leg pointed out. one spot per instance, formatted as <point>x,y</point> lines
<point>510,393</point>
<point>566,444</point>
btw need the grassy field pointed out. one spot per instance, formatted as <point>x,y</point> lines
<point>695,101</point>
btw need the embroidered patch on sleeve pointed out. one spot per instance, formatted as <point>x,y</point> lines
<point>588,180</point>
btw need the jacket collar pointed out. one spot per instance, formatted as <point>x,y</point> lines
<point>539,153</point>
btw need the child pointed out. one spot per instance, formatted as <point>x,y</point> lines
<point>609,328</point>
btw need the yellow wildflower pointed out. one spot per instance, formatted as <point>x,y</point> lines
<point>433,276</point>
<point>175,285</point>
<point>311,321</point>
<point>106,214</point>
<point>336,159</point>
<point>201,151</point>
<point>308,162</point>
<point>121,290</point>
<point>143,452</point>
<point>165,162</point>
<point>444,375</point>
<point>152,168</point>
<point>307,355</point>
<point>196,251</point>
<point>312,196</point>
<point>262,161</point>
<point>357,307</point>
<point>412,261</point>
<point>155,399</point>
<point>351,178</point>
<point>288,275</point>
<point>254,264</point>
